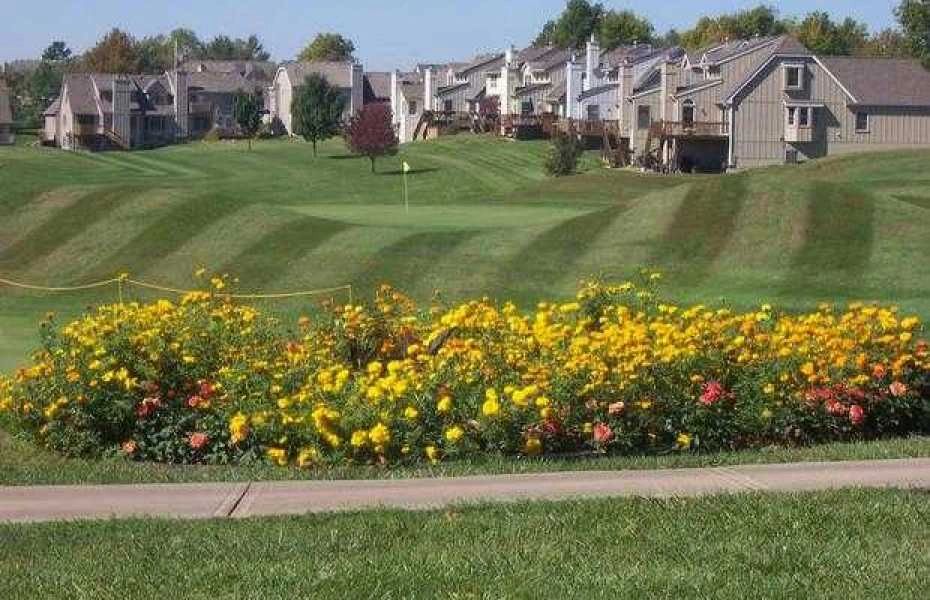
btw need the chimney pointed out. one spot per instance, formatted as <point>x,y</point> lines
<point>592,62</point>
<point>429,89</point>
<point>357,99</point>
<point>574,78</point>
<point>510,55</point>
<point>181,104</point>
<point>504,88</point>
<point>122,98</point>
<point>395,96</point>
<point>625,110</point>
<point>670,80</point>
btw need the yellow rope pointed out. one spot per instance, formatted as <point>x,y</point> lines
<point>152,286</point>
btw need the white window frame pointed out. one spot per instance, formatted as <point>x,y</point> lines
<point>868,121</point>
<point>639,114</point>
<point>792,116</point>
<point>800,67</point>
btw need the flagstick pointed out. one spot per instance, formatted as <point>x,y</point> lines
<point>406,198</point>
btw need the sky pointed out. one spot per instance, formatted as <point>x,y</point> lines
<point>387,33</point>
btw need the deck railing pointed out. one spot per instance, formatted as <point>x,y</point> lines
<point>695,129</point>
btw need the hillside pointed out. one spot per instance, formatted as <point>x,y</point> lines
<point>483,219</point>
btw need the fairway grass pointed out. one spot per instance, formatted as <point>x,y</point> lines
<point>483,220</point>
<point>842,544</point>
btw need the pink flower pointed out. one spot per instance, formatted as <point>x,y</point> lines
<point>603,434</point>
<point>148,407</point>
<point>712,392</point>
<point>129,447</point>
<point>207,390</point>
<point>856,415</point>
<point>194,401</point>
<point>198,440</point>
<point>897,389</point>
<point>837,409</point>
<point>616,408</point>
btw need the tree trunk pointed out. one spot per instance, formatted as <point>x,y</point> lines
<point>314,148</point>
<point>250,144</point>
<point>372,159</point>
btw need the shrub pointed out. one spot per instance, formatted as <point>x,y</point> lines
<point>616,370</point>
<point>564,153</point>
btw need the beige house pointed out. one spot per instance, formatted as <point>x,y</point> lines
<point>346,76</point>
<point>757,102</point>
<point>6,115</point>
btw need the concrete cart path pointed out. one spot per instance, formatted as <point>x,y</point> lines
<point>240,500</point>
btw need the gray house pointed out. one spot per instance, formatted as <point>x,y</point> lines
<point>346,76</point>
<point>6,115</point>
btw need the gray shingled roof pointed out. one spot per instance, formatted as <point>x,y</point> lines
<point>81,95</point>
<point>720,52</point>
<point>222,83</point>
<point>557,92</point>
<point>6,112</point>
<point>882,81</point>
<point>254,69</point>
<point>53,109</point>
<point>596,91</point>
<point>377,85</point>
<point>529,89</point>
<point>338,74</point>
<point>784,45</point>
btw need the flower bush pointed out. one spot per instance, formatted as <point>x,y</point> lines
<point>616,370</point>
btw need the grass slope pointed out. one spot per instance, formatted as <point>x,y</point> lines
<point>483,220</point>
<point>849,544</point>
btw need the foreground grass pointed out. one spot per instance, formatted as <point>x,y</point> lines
<point>848,544</point>
<point>21,463</point>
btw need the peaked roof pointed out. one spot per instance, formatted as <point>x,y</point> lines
<point>785,45</point>
<point>222,83</point>
<point>338,74</point>
<point>882,81</point>
<point>53,109</point>
<point>376,85</point>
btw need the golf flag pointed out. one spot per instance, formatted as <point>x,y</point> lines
<point>406,167</point>
<point>406,197</point>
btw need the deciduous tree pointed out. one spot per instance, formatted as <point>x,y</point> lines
<point>622,28</point>
<point>248,114</point>
<point>914,17</point>
<point>328,47</point>
<point>317,110</point>
<point>371,133</point>
<point>116,52</point>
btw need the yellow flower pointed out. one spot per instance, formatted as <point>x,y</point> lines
<point>454,434</point>
<point>533,446</point>
<point>769,389</point>
<point>491,407</point>
<point>411,413</point>
<point>307,457</point>
<point>432,454</point>
<point>238,428</point>
<point>359,438</point>
<point>684,441</point>
<point>379,434</point>
<point>277,455</point>
<point>444,405</point>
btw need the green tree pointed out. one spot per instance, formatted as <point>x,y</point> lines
<point>116,52</point>
<point>223,47</point>
<point>247,111</point>
<point>622,28</point>
<point>317,110</point>
<point>564,153</point>
<point>57,51</point>
<point>328,47</point>
<point>759,21</point>
<point>888,43</point>
<point>821,35</point>
<point>575,26</point>
<point>914,17</point>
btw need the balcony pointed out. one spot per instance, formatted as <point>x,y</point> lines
<point>799,135</point>
<point>200,108</point>
<point>697,129</point>
<point>81,129</point>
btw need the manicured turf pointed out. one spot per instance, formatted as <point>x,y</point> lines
<point>483,220</point>
<point>850,544</point>
<point>22,463</point>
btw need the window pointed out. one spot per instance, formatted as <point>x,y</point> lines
<point>106,96</point>
<point>862,122</point>
<point>594,112</point>
<point>792,115</point>
<point>794,77</point>
<point>526,108</point>
<point>791,156</point>
<point>86,119</point>
<point>412,107</point>
<point>643,117</point>
<point>447,106</point>
<point>804,117</point>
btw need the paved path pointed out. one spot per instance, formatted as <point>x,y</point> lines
<point>240,500</point>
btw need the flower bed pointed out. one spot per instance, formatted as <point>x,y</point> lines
<point>616,370</point>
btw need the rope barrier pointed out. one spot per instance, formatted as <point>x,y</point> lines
<point>119,281</point>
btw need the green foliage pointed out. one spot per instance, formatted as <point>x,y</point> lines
<point>116,52</point>
<point>821,35</point>
<point>914,17</point>
<point>56,51</point>
<point>330,47</point>
<point>222,47</point>
<point>618,28</point>
<point>247,111</point>
<point>564,153</point>
<point>759,21</point>
<point>575,26</point>
<point>317,109</point>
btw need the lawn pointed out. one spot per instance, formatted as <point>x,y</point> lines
<point>846,544</point>
<point>483,219</point>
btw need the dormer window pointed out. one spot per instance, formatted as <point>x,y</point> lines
<point>794,77</point>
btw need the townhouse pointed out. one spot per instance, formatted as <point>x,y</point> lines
<point>6,116</point>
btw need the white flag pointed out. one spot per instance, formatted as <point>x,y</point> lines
<point>406,167</point>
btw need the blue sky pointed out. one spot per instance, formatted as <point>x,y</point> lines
<point>387,33</point>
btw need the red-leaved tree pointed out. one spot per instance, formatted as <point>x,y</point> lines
<point>370,133</point>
